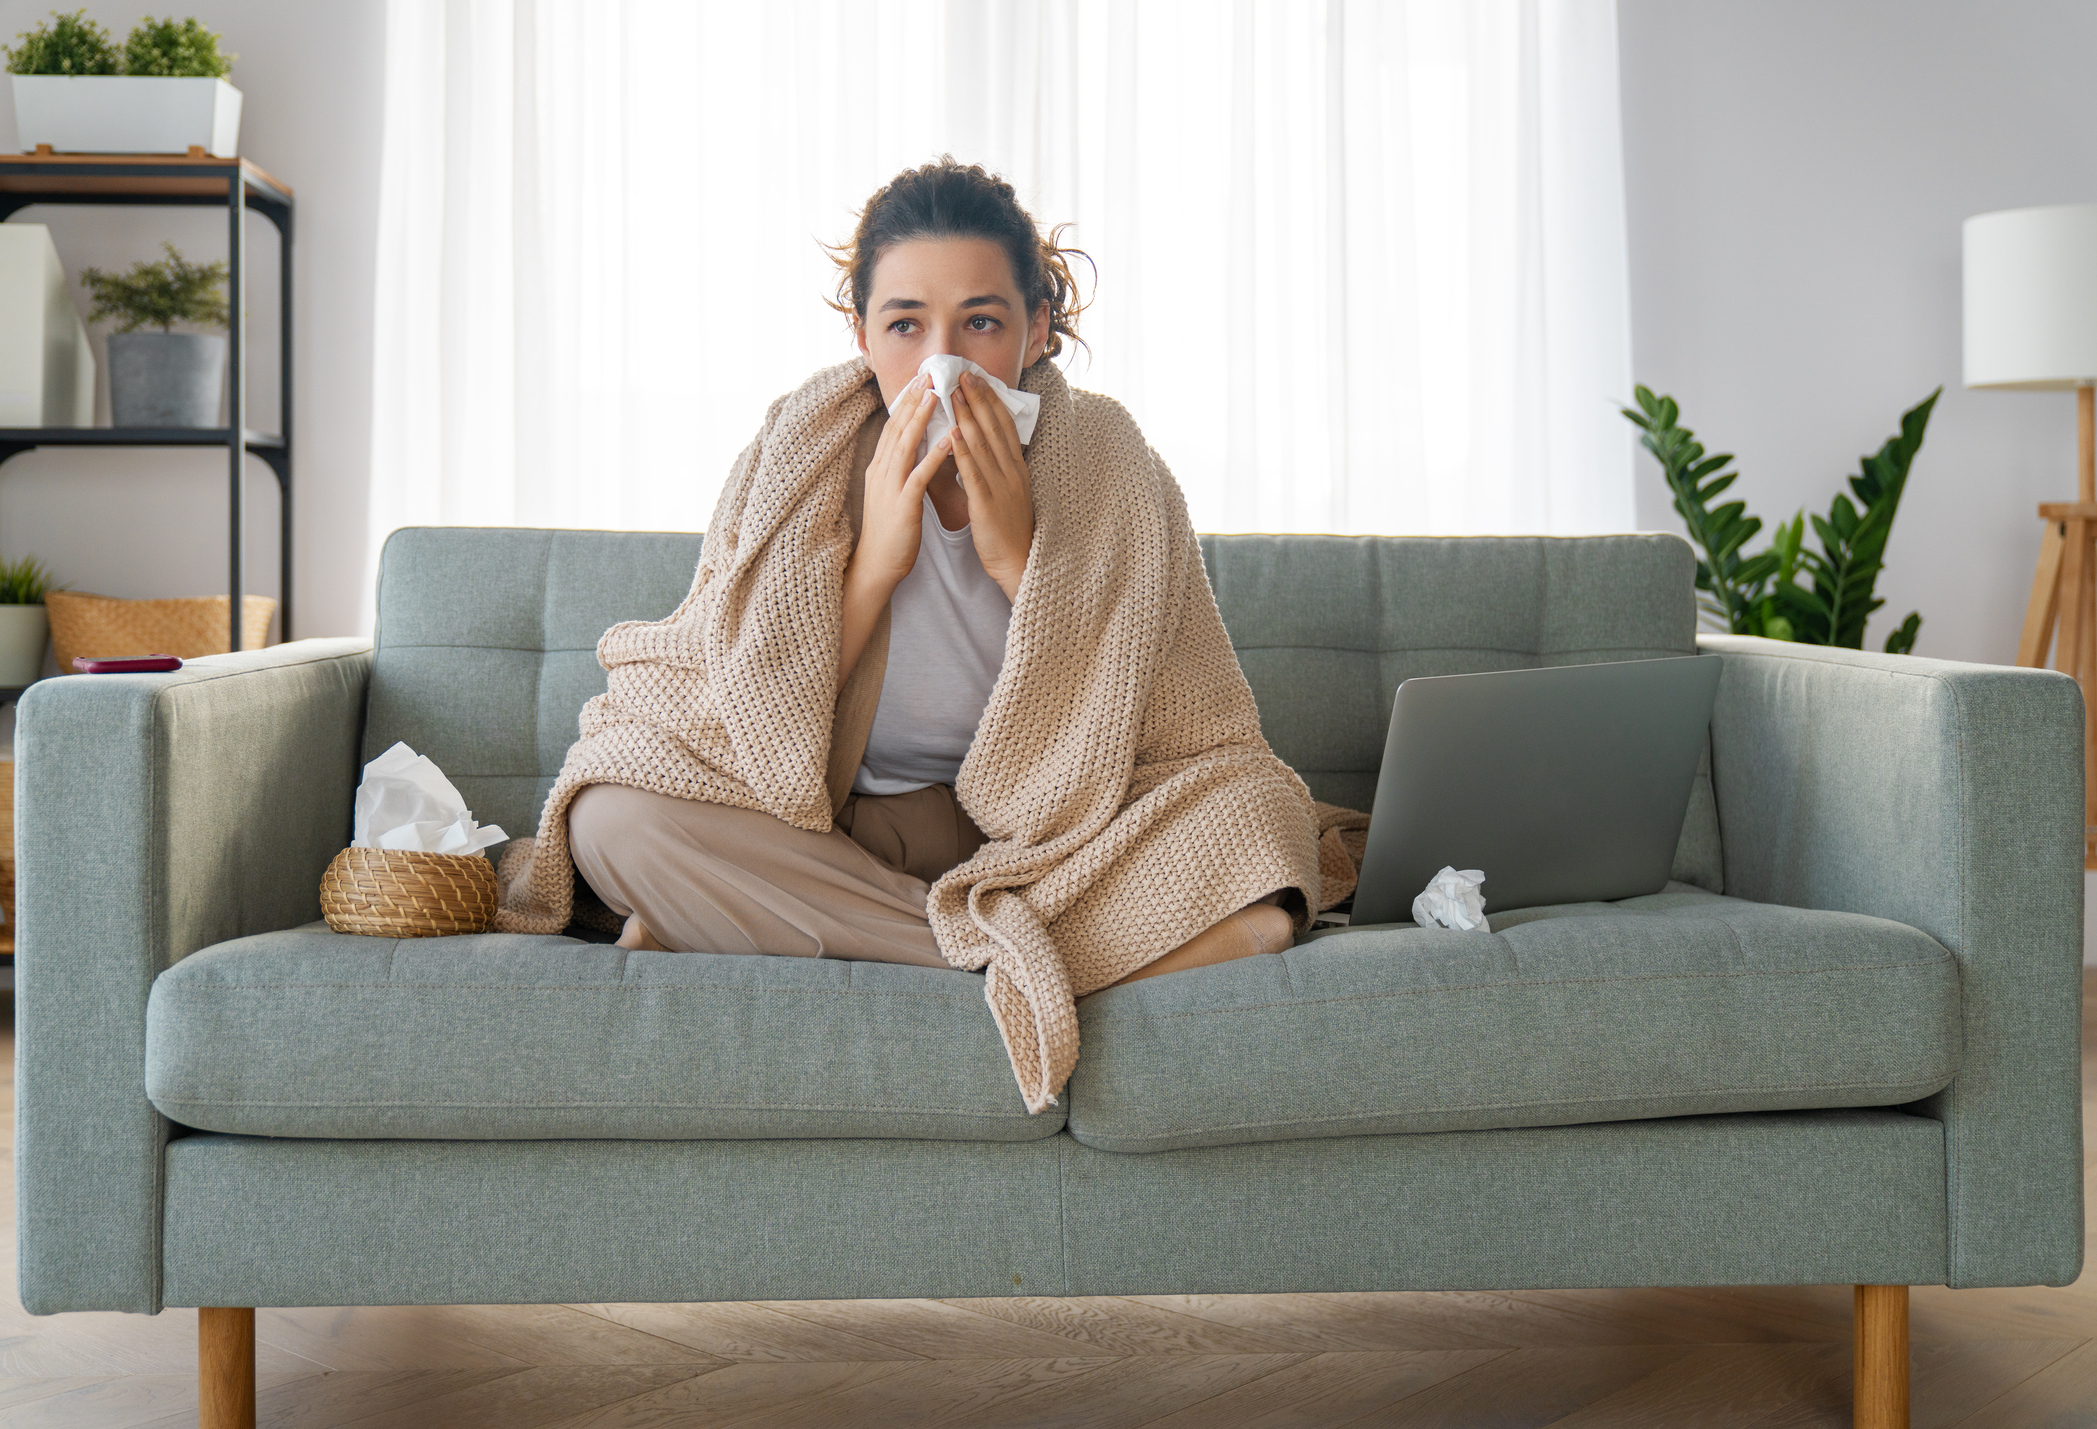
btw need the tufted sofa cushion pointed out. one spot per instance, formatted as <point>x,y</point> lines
<point>486,648</point>
<point>1328,627</point>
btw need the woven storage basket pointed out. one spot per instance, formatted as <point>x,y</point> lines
<point>397,893</point>
<point>103,626</point>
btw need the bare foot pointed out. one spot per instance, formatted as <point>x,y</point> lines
<point>1258,928</point>
<point>637,937</point>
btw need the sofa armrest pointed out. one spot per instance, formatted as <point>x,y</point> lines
<point>154,815</point>
<point>1948,797</point>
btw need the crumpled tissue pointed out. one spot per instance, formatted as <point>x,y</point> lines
<point>1452,900</point>
<point>405,802</point>
<point>945,370</point>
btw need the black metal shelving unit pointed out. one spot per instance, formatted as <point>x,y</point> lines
<point>195,181</point>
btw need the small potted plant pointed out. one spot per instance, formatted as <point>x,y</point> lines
<point>23,624</point>
<point>165,92</point>
<point>164,378</point>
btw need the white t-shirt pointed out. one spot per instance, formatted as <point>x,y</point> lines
<point>946,643</point>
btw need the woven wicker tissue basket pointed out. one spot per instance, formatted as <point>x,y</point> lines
<point>103,626</point>
<point>398,893</point>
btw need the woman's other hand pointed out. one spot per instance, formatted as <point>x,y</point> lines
<point>893,522</point>
<point>993,471</point>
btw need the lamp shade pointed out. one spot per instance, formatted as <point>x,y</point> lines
<point>2031,298</point>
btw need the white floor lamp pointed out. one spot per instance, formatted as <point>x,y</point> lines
<point>2031,324</point>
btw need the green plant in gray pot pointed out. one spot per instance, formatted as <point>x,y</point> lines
<point>24,626</point>
<point>164,378</point>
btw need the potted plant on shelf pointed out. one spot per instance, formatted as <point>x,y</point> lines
<point>164,378</point>
<point>23,624</point>
<point>165,92</point>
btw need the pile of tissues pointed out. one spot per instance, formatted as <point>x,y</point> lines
<point>405,802</point>
<point>945,371</point>
<point>1452,900</point>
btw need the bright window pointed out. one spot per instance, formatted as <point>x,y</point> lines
<point>1361,265</point>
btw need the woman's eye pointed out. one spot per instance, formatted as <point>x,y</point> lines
<point>982,324</point>
<point>900,327</point>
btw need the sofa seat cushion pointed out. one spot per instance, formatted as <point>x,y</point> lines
<point>1676,1004</point>
<point>311,1033</point>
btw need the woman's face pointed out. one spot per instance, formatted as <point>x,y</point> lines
<point>948,295</point>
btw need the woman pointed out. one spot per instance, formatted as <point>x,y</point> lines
<point>973,710</point>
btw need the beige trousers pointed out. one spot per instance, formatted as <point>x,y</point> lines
<point>707,878</point>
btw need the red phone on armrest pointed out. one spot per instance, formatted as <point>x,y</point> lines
<point>126,665</point>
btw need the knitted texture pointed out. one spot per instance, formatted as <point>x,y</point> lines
<point>1119,772</point>
<point>1343,837</point>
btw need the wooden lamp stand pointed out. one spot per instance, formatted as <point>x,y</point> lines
<point>2064,599</point>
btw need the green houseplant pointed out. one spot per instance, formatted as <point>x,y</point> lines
<point>160,295</point>
<point>171,49</point>
<point>164,92</point>
<point>164,378</point>
<point>24,624</point>
<point>66,45</point>
<point>1787,591</point>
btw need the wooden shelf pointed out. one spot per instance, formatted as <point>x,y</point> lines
<point>106,176</point>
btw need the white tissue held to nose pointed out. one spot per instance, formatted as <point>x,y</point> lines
<point>945,370</point>
<point>1451,900</point>
<point>405,802</point>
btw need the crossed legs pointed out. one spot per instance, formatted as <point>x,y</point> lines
<point>689,876</point>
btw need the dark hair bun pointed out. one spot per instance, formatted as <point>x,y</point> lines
<point>946,199</point>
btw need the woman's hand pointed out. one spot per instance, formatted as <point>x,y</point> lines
<point>993,471</point>
<point>895,491</point>
<point>893,522</point>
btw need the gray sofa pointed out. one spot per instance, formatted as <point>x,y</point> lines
<point>1841,1047</point>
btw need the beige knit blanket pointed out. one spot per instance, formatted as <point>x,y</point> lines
<point>1119,770</point>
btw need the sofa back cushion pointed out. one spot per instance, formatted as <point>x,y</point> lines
<point>487,647</point>
<point>1326,627</point>
<point>487,639</point>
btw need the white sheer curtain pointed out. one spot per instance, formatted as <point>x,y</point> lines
<point>1361,262</point>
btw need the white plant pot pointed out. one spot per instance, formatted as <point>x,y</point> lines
<point>126,114</point>
<point>24,629</point>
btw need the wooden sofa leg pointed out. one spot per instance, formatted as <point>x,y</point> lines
<point>226,1369</point>
<point>1882,1357</point>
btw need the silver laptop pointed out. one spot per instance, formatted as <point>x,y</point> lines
<point>1562,785</point>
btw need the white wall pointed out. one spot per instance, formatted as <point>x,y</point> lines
<point>1796,172</point>
<point>153,523</point>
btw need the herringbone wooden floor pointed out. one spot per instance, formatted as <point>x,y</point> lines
<point>1990,1359</point>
